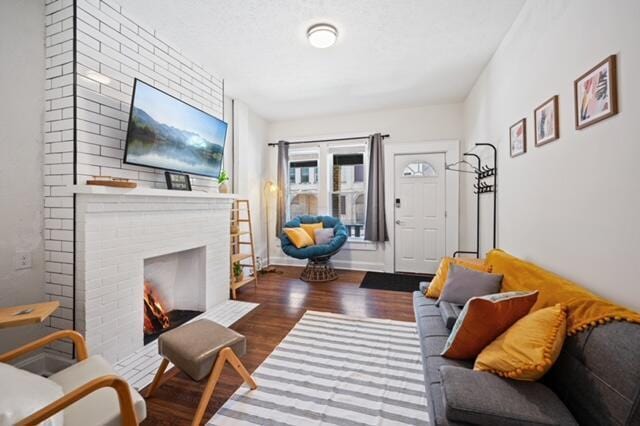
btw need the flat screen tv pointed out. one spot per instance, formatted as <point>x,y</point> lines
<point>166,133</point>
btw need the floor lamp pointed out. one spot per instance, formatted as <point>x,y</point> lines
<point>269,188</point>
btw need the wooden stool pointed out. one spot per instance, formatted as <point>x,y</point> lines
<point>200,349</point>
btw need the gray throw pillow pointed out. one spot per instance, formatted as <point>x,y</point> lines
<point>463,284</point>
<point>324,235</point>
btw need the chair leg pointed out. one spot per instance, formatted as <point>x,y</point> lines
<point>158,377</point>
<point>208,390</point>
<point>225,355</point>
<point>237,365</point>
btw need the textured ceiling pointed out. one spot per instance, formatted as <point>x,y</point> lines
<point>390,53</point>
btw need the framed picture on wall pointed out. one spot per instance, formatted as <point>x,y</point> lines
<point>546,121</point>
<point>596,93</point>
<point>518,138</point>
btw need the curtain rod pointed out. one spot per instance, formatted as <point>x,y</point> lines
<point>325,140</point>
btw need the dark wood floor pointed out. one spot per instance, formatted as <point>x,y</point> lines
<point>283,300</point>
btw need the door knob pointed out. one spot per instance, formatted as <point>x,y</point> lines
<point>398,222</point>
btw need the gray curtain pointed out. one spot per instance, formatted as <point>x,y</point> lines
<point>375,228</point>
<point>283,175</point>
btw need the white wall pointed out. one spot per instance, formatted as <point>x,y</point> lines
<point>250,167</point>
<point>428,123</point>
<point>571,205</point>
<point>21,120</point>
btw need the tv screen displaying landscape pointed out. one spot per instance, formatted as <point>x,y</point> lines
<point>166,133</point>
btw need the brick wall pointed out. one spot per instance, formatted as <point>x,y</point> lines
<point>115,234</point>
<point>86,122</point>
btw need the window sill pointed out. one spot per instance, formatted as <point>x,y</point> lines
<point>360,245</point>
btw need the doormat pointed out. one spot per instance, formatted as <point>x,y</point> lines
<point>394,282</point>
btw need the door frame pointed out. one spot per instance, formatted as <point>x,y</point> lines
<point>451,150</point>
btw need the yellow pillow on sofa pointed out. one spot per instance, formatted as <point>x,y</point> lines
<point>528,349</point>
<point>311,229</point>
<point>437,283</point>
<point>299,237</point>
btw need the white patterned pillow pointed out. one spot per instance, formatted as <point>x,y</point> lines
<point>324,236</point>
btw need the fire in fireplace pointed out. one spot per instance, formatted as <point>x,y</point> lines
<point>157,318</point>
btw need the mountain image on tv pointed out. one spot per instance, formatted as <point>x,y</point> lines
<point>167,133</point>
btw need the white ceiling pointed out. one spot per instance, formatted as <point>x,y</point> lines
<point>390,53</point>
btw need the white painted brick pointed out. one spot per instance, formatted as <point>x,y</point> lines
<point>115,46</point>
<point>97,98</point>
<point>53,289</point>
<point>53,7</point>
<point>87,126</point>
<point>53,115</point>
<point>97,160</point>
<point>111,152</point>
<point>62,14</point>
<point>61,147</point>
<point>98,139</point>
<point>61,169</point>
<point>101,119</point>
<point>113,133</point>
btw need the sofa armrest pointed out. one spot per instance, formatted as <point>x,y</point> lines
<point>485,399</point>
<point>127,411</point>
<point>74,336</point>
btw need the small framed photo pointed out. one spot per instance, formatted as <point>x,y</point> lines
<point>178,181</point>
<point>547,123</point>
<point>596,93</point>
<point>518,138</point>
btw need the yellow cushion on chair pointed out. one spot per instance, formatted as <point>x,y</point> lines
<point>299,237</point>
<point>437,283</point>
<point>311,229</point>
<point>528,349</point>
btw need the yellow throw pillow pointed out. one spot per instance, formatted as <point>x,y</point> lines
<point>437,283</point>
<point>528,349</point>
<point>311,229</point>
<point>298,237</point>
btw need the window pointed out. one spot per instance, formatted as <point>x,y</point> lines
<point>303,172</point>
<point>347,190</point>
<point>302,204</point>
<point>330,179</point>
<point>303,186</point>
<point>419,169</point>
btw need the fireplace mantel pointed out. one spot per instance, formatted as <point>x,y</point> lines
<point>145,192</point>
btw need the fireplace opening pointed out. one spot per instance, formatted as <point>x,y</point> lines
<point>157,319</point>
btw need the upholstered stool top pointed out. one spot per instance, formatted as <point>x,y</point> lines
<point>193,347</point>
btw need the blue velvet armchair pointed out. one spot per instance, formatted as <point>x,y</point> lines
<point>319,268</point>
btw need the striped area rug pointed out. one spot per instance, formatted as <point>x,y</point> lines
<point>336,370</point>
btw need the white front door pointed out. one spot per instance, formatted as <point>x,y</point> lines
<point>419,203</point>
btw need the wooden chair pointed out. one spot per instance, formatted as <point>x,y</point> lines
<point>130,413</point>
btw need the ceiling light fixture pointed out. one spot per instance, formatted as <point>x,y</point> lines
<point>322,35</point>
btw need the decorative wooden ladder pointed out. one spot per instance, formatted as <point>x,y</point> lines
<point>237,256</point>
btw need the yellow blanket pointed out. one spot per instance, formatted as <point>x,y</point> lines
<point>585,309</point>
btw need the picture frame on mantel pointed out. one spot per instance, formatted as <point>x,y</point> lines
<point>546,122</point>
<point>178,181</point>
<point>596,93</point>
<point>518,138</point>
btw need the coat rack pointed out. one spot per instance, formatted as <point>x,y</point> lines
<point>482,172</point>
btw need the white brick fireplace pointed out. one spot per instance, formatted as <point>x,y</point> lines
<point>117,231</point>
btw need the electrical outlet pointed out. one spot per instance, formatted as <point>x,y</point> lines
<point>23,260</point>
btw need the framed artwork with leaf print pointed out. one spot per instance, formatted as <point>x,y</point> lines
<point>596,93</point>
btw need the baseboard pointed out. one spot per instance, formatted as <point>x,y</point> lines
<point>339,264</point>
<point>44,363</point>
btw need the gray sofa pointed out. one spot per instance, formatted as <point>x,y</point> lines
<point>595,381</point>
